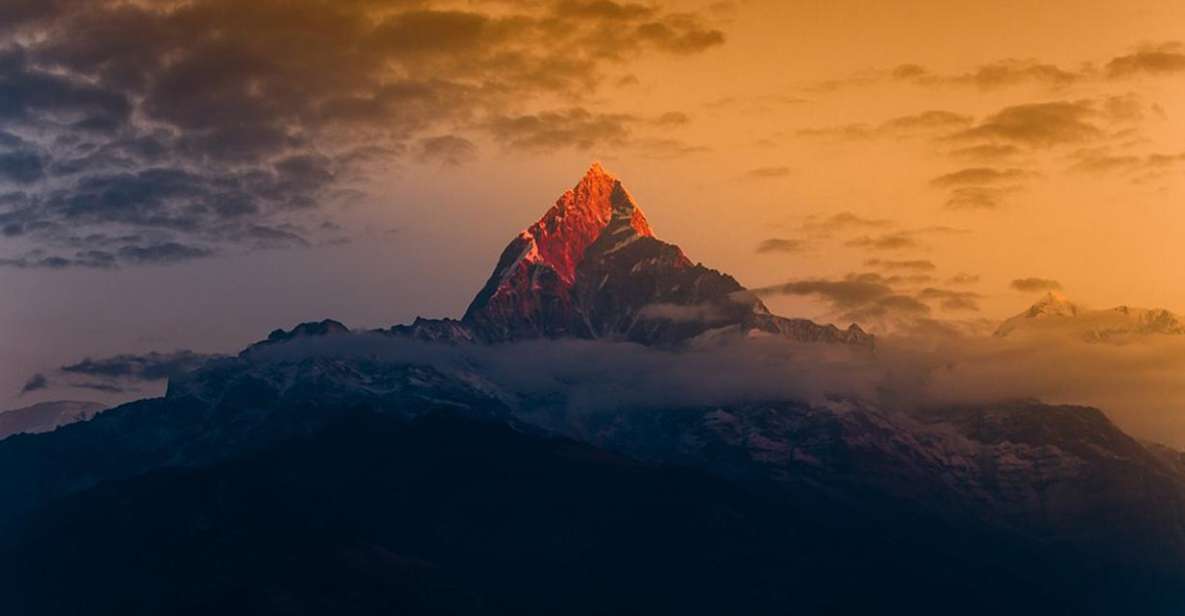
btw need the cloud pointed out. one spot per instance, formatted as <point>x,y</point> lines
<point>937,364</point>
<point>449,150</point>
<point>1038,125</point>
<point>1035,285</point>
<point>767,173</point>
<point>107,388</point>
<point>850,292</point>
<point>1163,59</point>
<point>926,122</point>
<point>860,298</point>
<point>916,265</point>
<point>681,313</point>
<point>139,368</point>
<point>551,130</point>
<point>21,167</point>
<point>1010,72</point>
<point>220,118</point>
<point>977,188</point>
<point>824,226</point>
<point>781,245</point>
<point>963,279</point>
<point>951,300</point>
<point>671,119</point>
<point>979,197</point>
<point>1141,167</point>
<point>997,74</point>
<point>35,383</point>
<point>987,152</point>
<point>979,175</point>
<point>889,241</point>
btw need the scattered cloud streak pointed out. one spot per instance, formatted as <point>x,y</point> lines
<point>1035,285</point>
<point>781,245</point>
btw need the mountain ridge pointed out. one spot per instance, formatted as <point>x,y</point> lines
<point>1055,314</point>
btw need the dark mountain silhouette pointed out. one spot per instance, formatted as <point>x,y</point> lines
<point>46,416</point>
<point>445,515</point>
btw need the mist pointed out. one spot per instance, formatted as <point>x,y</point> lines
<point>1137,384</point>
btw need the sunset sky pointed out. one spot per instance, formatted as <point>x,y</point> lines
<point>191,175</point>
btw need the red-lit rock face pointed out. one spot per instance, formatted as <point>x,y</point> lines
<point>592,268</point>
<point>578,218</point>
<point>529,293</point>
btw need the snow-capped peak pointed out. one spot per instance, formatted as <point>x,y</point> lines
<point>1053,304</point>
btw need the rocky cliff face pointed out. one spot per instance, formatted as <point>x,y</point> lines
<point>592,268</point>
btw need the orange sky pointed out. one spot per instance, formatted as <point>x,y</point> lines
<point>1110,237</point>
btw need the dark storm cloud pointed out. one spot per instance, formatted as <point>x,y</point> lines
<point>203,121</point>
<point>1035,285</point>
<point>782,245</point>
<point>35,383</point>
<point>130,367</point>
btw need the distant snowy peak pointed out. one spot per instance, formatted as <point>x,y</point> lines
<point>1054,314</point>
<point>1054,304</point>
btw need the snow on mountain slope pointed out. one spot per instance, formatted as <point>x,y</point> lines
<point>1054,314</point>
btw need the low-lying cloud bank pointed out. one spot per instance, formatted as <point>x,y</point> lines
<point>1138,384</point>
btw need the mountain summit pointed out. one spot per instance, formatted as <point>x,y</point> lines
<point>591,267</point>
<point>1055,314</point>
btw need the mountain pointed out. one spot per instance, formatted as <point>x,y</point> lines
<point>443,515</point>
<point>570,445</point>
<point>1054,314</point>
<point>46,416</point>
<point>592,267</point>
